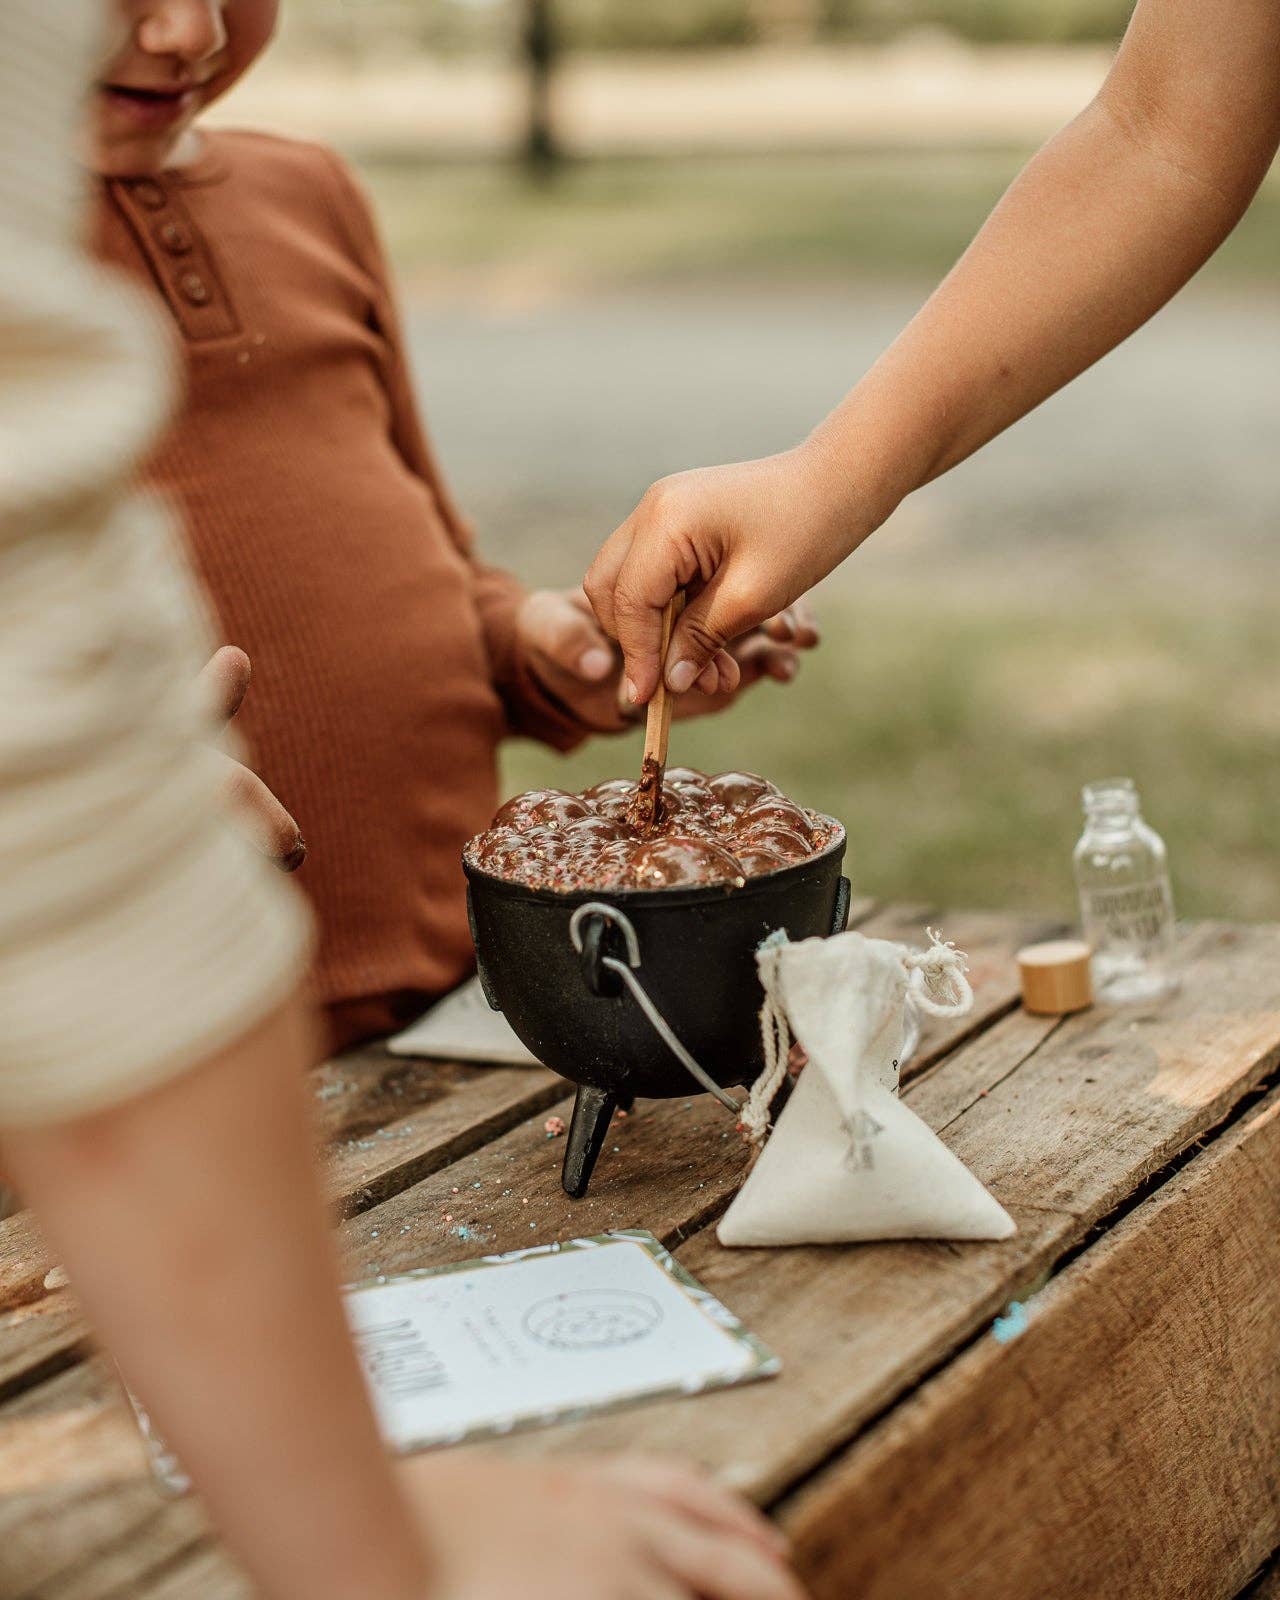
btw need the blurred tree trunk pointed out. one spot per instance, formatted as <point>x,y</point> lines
<point>541,47</point>
<point>786,21</point>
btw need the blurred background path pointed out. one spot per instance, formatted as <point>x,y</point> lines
<point>928,88</point>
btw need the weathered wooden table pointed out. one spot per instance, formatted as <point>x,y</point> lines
<point>1126,1443</point>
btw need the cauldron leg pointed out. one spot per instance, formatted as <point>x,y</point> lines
<point>592,1112</point>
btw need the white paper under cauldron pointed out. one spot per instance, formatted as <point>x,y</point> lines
<point>848,1160</point>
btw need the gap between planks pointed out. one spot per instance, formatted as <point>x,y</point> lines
<point>1264,1585</point>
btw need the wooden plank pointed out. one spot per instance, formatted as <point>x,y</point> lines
<point>41,1331</point>
<point>72,1475</point>
<point>39,1340</point>
<point>388,1123</point>
<point>670,1166</point>
<point>1064,1120</point>
<point>1127,1443</point>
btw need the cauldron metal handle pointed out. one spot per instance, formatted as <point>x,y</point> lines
<point>588,941</point>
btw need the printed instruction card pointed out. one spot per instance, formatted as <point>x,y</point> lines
<point>550,1334</point>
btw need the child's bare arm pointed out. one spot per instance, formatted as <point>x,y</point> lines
<point>1106,223</point>
<point>192,1226</point>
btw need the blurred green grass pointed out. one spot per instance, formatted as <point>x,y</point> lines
<point>851,215</point>
<point>953,745</point>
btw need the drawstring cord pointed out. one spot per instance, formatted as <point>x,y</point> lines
<point>939,986</point>
<point>775,1037</point>
<point>939,981</point>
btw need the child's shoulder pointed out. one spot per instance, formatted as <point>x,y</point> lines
<point>272,155</point>
<point>300,180</point>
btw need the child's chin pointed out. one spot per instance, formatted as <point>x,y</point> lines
<point>130,158</point>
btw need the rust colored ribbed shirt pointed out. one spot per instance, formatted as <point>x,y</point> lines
<point>385,664</point>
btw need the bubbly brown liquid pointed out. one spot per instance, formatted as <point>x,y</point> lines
<point>721,829</point>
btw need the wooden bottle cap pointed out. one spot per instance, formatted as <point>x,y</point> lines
<point>1055,977</point>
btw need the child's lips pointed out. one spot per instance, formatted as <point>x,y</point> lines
<point>150,108</point>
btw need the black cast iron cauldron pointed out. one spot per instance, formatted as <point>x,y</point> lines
<point>635,991</point>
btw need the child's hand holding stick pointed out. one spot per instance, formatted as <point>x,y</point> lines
<point>575,662</point>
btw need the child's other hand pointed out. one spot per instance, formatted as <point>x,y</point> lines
<point>745,542</point>
<point>574,660</point>
<point>770,651</point>
<point>257,813</point>
<point>629,1528</point>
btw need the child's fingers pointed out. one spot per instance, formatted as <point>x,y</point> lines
<point>224,681</point>
<point>696,1494</point>
<point>603,575</point>
<point>715,615</point>
<point>720,1567</point>
<point>560,626</point>
<point>630,583</point>
<point>720,675</point>
<point>796,625</point>
<point>758,658</point>
<point>781,628</point>
<point>730,671</point>
<point>782,665</point>
<point>261,817</point>
<point>807,634</point>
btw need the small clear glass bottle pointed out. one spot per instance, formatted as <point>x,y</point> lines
<point>1126,903</point>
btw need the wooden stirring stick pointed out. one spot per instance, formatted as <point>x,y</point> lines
<point>646,809</point>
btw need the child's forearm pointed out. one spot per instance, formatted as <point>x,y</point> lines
<point>1102,227</point>
<point>192,1225</point>
<point>1105,224</point>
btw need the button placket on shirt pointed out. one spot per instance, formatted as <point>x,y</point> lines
<point>180,259</point>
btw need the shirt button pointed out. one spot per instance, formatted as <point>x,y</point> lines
<point>148,194</point>
<point>174,238</point>
<point>194,289</point>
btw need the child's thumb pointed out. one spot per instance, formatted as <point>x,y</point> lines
<point>570,637</point>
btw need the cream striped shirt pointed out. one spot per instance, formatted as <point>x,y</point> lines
<point>137,934</point>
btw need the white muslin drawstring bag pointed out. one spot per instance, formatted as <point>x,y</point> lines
<point>848,1159</point>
